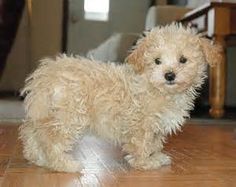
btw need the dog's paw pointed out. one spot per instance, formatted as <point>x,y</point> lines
<point>128,157</point>
<point>162,158</point>
<point>144,164</point>
<point>153,162</point>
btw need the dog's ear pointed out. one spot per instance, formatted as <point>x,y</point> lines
<point>136,56</point>
<point>212,52</point>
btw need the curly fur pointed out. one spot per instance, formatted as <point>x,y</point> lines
<point>129,104</point>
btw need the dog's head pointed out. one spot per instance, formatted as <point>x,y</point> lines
<point>174,58</point>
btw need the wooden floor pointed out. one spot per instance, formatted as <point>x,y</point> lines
<point>203,156</point>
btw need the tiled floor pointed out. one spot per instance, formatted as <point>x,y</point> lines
<point>202,156</point>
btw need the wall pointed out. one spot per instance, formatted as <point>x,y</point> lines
<point>46,29</point>
<point>231,79</point>
<point>125,16</point>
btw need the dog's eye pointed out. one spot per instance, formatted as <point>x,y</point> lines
<point>157,61</point>
<point>182,60</point>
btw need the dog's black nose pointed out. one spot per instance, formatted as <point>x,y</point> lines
<point>170,76</point>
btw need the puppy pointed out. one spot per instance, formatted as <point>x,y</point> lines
<point>136,104</point>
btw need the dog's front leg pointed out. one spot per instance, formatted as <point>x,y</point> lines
<point>145,151</point>
<point>158,155</point>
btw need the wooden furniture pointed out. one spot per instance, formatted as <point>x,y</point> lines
<point>219,24</point>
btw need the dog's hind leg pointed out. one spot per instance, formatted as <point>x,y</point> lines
<point>31,147</point>
<point>49,145</point>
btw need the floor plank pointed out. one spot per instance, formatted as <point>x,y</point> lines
<point>202,156</point>
<point>8,137</point>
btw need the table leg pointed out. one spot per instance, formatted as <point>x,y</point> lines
<point>217,82</point>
